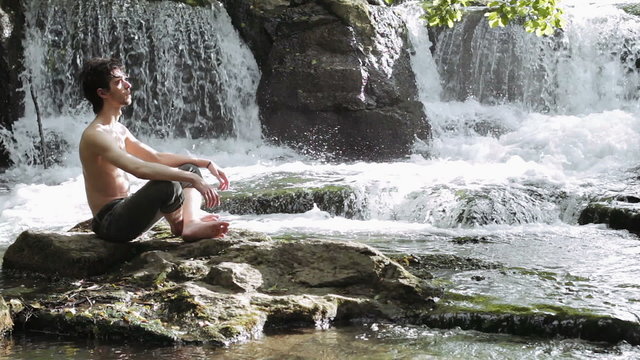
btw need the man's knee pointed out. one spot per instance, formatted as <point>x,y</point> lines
<point>170,195</point>
<point>190,168</point>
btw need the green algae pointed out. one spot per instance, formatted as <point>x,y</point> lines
<point>178,303</point>
<point>289,238</point>
<point>484,313</point>
<point>455,302</point>
<point>102,321</point>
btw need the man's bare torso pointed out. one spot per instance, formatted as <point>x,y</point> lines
<point>103,181</point>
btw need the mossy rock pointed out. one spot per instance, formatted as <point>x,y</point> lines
<point>482,313</point>
<point>334,199</point>
<point>213,291</point>
<point>632,9</point>
<point>352,13</point>
<point>615,215</point>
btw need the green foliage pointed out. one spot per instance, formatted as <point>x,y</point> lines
<point>444,12</point>
<point>540,16</point>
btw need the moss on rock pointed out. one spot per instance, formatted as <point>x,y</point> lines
<point>352,13</point>
<point>482,313</point>
<point>335,199</point>
<point>210,291</point>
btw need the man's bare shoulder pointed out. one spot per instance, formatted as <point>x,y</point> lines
<point>91,135</point>
<point>100,133</point>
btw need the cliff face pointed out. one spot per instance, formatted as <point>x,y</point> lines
<point>11,53</point>
<point>336,76</point>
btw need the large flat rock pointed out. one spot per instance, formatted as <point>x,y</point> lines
<point>216,291</point>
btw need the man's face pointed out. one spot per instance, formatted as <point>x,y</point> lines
<point>119,88</point>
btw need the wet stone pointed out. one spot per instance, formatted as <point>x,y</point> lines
<point>215,291</point>
<point>235,277</point>
<point>616,214</point>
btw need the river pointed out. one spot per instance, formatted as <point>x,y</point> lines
<point>526,131</point>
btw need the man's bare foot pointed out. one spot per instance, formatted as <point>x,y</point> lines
<point>210,217</point>
<point>197,230</point>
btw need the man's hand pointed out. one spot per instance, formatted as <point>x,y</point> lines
<point>219,174</point>
<point>210,195</point>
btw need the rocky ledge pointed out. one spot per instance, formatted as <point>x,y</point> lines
<point>620,212</point>
<point>216,291</point>
<point>222,291</point>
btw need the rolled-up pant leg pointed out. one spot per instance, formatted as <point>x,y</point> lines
<point>125,219</point>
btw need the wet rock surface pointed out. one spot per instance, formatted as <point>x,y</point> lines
<point>336,76</point>
<point>336,200</point>
<point>487,314</point>
<point>11,52</point>
<point>222,291</point>
<point>622,212</point>
<point>216,291</point>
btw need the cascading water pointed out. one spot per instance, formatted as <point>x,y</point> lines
<point>494,81</point>
<point>192,76</point>
<point>525,131</point>
<point>577,71</point>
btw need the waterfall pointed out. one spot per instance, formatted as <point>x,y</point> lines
<point>592,65</point>
<point>518,121</point>
<point>192,75</point>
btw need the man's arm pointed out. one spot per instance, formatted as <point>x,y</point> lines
<point>145,152</point>
<point>103,145</point>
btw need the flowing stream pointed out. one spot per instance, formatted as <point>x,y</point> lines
<point>526,131</point>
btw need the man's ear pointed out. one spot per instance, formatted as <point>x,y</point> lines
<point>101,92</point>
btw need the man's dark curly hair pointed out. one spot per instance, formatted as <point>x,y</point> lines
<point>96,74</point>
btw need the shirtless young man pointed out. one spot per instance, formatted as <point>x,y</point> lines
<point>108,151</point>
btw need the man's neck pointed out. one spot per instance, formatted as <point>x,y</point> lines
<point>109,115</point>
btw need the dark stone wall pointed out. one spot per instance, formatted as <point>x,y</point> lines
<point>323,90</point>
<point>11,54</point>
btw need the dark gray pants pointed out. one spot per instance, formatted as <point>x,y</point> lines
<point>125,219</point>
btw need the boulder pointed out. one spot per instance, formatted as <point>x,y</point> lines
<point>336,200</point>
<point>616,213</point>
<point>216,291</point>
<point>336,76</point>
<point>222,291</point>
<point>66,254</point>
